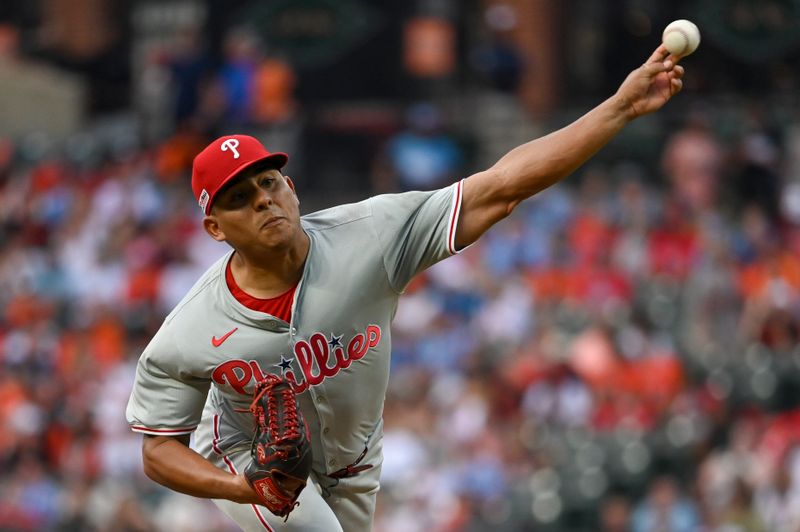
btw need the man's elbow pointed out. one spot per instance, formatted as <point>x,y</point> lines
<point>158,453</point>
<point>147,462</point>
<point>151,472</point>
<point>150,457</point>
<point>505,188</point>
<point>514,184</point>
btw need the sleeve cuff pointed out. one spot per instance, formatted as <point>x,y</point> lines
<point>455,209</point>
<point>163,432</point>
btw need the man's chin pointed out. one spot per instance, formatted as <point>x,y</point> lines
<point>279,238</point>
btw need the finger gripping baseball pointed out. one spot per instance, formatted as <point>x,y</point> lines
<point>281,450</point>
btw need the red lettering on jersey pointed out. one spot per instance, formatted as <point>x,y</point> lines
<point>319,345</point>
<point>305,356</point>
<point>257,373</point>
<point>297,387</point>
<point>316,351</point>
<point>374,335</point>
<point>227,374</point>
<point>357,347</point>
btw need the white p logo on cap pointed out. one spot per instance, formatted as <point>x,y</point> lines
<point>230,144</point>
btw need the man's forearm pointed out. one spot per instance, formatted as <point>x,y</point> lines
<point>534,166</point>
<point>173,464</point>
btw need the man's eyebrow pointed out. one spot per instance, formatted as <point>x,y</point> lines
<point>271,172</point>
<point>231,186</point>
<point>249,174</point>
<point>258,171</point>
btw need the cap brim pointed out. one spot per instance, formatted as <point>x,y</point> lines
<point>279,158</point>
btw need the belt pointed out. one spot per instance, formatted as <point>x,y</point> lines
<point>352,469</point>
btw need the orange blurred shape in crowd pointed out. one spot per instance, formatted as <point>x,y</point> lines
<point>174,157</point>
<point>548,284</point>
<point>524,370</point>
<point>75,358</point>
<point>659,378</point>
<point>613,410</point>
<point>273,85</point>
<point>12,394</point>
<point>756,279</point>
<point>780,437</point>
<point>672,253</point>
<point>656,377</point>
<point>143,284</point>
<point>590,237</point>
<point>57,441</point>
<point>94,349</point>
<point>597,285</point>
<point>107,341</point>
<point>429,47</point>
<point>97,348</point>
<point>46,176</point>
<point>594,358</point>
<point>24,309</point>
<point>417,283</point>
<point>9,41</point>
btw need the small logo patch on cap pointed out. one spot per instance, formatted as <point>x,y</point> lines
<point>203,201</point>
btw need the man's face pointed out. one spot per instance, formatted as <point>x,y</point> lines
<point>257,211</point>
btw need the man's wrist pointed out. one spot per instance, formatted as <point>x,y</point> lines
<point>241,491</point>
<point>621,109</point>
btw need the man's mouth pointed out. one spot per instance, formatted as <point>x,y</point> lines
<point>272,222</point>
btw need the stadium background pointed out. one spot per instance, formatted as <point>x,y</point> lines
<point>621,354</point>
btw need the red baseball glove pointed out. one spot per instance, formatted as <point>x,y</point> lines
<point>281,449</point>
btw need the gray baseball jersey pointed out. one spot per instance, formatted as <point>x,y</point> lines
<point>200,368</point>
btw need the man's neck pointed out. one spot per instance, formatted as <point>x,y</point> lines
<point>270,274</point>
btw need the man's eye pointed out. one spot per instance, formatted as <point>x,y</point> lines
<point>267,181</point>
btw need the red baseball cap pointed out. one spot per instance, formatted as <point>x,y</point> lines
<point>222,160</point>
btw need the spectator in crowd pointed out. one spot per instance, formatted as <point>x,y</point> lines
<point>190,67</point>
<point>615,514</point>
<point>692,161</point>
<point>665,509</point>
<point>424,156</point>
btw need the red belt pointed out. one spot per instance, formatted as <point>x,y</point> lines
<point>353,469</point>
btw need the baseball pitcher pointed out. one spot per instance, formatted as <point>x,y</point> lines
<point>278,357</point>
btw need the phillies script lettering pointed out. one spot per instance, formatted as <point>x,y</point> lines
<point>318,357</point>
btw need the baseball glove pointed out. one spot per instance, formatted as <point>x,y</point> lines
<point>281,449</point>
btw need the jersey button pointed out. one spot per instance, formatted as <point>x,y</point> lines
<point>326,430</point>
<point>294,331</point>
<point>332,462</point>
<point>320,399</point>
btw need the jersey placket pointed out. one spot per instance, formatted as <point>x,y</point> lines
<point>317,393</point>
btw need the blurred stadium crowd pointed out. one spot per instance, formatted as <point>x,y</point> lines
<point>621,354</point>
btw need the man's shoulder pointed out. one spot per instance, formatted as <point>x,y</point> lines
<point>365,209</point>
<point>337,216</point>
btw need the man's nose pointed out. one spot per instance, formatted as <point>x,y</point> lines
<point>262,199</point>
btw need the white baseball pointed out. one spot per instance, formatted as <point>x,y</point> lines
<point>681,37</point>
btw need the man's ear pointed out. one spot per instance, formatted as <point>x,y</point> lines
<point>212,228</point>
<point>291,185</point>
